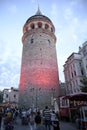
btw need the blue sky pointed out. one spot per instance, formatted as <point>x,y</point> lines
<point>69,18</point>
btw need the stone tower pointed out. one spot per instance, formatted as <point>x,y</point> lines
<point>39,78</point>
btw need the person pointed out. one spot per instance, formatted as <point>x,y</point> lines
<point>77,121</point>
<point>32,120</point>
<point>1,115</point>
<point>53,116</point>
<point>47,117</point>
<point>38,121</point>
<point>55,123</point>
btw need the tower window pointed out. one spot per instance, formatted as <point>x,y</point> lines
<point>46,26</point>
<point>32,40</point>
<point>49,41</point>
<point>14,96</point>
<point>25,29</point>
<point>32,26</point>
<point>39,24</point>
<point>75,73</point>
<point>51,29</point>
<point>82,72</point>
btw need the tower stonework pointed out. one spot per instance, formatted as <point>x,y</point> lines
<point>39,78</point>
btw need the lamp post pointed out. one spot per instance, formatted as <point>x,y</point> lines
<point>52,97</point>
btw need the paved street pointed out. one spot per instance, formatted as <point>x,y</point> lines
<point>63,126</point>
<point>67,126</point>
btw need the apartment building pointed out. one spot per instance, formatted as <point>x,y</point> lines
<point>10,96</point>
<point>75,68</point>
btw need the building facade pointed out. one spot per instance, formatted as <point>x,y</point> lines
<point>83,52</point>
<point>11,96</point>
<point>39,78</point>
<point>75,68</point>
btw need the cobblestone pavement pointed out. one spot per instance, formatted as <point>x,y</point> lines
<point>63,126</point>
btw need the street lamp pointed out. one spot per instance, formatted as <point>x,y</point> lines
<point>52,97</point>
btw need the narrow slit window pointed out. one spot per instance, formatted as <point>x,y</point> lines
<point>32,40</point>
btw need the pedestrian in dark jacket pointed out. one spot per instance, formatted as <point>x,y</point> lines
<point>38,121</point>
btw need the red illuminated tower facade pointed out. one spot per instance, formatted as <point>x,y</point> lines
<point>39,78</point>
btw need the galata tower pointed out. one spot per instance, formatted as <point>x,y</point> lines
<point>39,80</point>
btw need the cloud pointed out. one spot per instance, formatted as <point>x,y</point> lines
<point>54,9</point>
<point>33,1</point>
<point>68,14</point>
<point>9,73</point>
<point>54,12</point>
<point>13,8</point>
<point>9,65</point>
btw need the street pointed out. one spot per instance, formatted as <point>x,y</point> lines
<point>63,126</point>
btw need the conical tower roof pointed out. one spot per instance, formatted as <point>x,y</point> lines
<point>37,16</point>
<point>38,11</point>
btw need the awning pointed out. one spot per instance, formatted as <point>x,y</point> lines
<point>77,96</point>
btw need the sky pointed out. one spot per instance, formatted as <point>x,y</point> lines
<point>69,18</point>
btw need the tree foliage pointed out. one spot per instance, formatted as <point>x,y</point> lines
<point>84,82</point>
<point>1,96</point>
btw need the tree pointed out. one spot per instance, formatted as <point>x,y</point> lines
<point>1,96</point>
<point>84,82</point>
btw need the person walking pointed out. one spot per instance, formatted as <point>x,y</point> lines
<point>47,117</point>
<point>53,116</point>
<point>32,120</point>
<point>38,121</point>
<point>55,123</point>
<point>1,115</point>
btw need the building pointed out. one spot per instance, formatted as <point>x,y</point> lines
<point>10,96</point>
<point>75,68</point>
<point>83,52</point>
<point>39,78</point>
<point>62,89</point>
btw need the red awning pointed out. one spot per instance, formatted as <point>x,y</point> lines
<point>77,96</point>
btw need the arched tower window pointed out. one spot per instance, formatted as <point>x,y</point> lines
<point>46,26</point>
<point>32,40</point>
<point>25,29</point>
<point>32,26</point>
<point>39,24</point>
<point>51,29</point>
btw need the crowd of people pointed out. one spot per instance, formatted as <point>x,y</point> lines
<point>36,119</point>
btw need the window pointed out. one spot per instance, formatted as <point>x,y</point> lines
<point>46,26</point>
<point>6,95</point>
<point>39,24</point>
<point>14,96</point>
<point>32,26</point>
<point>26,29</point>
<point>51,29</point>
<point>75,73</point>
<point>76,82</point>
<point>82,72</point>
<point>32,40</point>
<point>49,41</point>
